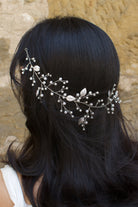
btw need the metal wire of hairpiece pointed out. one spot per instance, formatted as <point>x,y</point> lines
<point>80,98</point>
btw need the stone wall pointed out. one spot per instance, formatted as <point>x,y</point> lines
<point>117,17</point>
<point>16,17</point>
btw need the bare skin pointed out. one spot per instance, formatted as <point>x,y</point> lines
<point>4,195</point>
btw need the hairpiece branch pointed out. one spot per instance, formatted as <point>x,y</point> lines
<point>80,98</point>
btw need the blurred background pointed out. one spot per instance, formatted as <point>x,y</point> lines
<point>116,17</point>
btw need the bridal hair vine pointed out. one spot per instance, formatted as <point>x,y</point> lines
<point>80,98</point>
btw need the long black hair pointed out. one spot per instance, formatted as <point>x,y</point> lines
<point>97,167</point>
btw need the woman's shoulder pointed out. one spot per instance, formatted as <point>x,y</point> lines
<point>5,199</point>
<point>11,186</point>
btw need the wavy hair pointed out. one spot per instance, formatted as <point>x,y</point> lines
<point>97,167</point>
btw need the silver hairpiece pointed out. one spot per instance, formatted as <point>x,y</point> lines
<point>80,98</point>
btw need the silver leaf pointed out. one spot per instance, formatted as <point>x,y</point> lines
<point>37,92</point>
<point>81,120</point>
<point>109,93</point>
<point>83,92</point>
<point>36,68</point>
<point>70,98</point>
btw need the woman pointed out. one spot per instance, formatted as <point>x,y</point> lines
<point>78,152</point>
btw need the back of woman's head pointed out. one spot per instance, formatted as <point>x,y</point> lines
<point>79,168</point>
